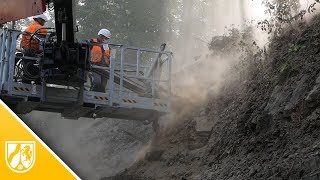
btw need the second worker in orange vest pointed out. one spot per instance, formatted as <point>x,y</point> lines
<point>36,27</point>
<point>30,45</point>
<point>100,55</point>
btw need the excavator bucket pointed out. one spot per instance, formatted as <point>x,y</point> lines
<point>12,10</point>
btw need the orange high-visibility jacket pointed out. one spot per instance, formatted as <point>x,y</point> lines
<point>33,44</point>
<point>99,54</point>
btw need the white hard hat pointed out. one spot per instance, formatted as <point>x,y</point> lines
<point>41,16</point>
<point>105,32</point>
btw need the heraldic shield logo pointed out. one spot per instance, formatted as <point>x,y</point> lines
<point>20,155</point>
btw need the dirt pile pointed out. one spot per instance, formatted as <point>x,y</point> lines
<point>266,126</point>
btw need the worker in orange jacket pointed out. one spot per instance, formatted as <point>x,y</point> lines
<point>36,27</point>
<point>30,45</point>
<point>100,55</point>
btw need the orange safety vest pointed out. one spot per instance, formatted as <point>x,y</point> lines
<point>33,44</point>
<point>99,54</point>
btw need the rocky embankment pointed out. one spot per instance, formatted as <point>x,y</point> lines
<point>266,126</point>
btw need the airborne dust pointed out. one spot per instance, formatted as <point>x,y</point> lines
<point>104,147</point>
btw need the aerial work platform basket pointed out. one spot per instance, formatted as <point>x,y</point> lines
<point>138,88</point>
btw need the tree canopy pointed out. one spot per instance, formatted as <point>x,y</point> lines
<point>130,21</point>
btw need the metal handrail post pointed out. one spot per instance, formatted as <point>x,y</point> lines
<point>121,73</point>
<point>153,85</point>
<point>2,50</point>
<point>11,58</point>
<point>138,62</point>
<point>158,71</point>
<point>111,79</point>
<point>1,44</point>
<point>6,59</point>
<point>169,82</point>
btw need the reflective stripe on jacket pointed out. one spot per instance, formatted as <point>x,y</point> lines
<point>99,54</point>
<point>25,41</point>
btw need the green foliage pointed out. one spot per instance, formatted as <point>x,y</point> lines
<point>283,12</point>
<point>236,41</point>
<point>295,48</point>
<point>287,70</point>
<point>131,22</point>
<point>239,44</point>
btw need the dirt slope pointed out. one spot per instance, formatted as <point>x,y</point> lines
<point>265,127</point>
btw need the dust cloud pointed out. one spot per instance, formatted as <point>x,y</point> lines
<point>197,73</point>
<point>104,147</point>
<point>92,148</point>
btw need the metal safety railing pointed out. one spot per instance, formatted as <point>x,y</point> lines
<point>8,42</point>
<point>132,74</point>
<point>137,77</point>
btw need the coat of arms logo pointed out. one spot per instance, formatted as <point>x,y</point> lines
<point>20,155</point>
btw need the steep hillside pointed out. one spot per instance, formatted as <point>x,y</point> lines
<point>266,126</point>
